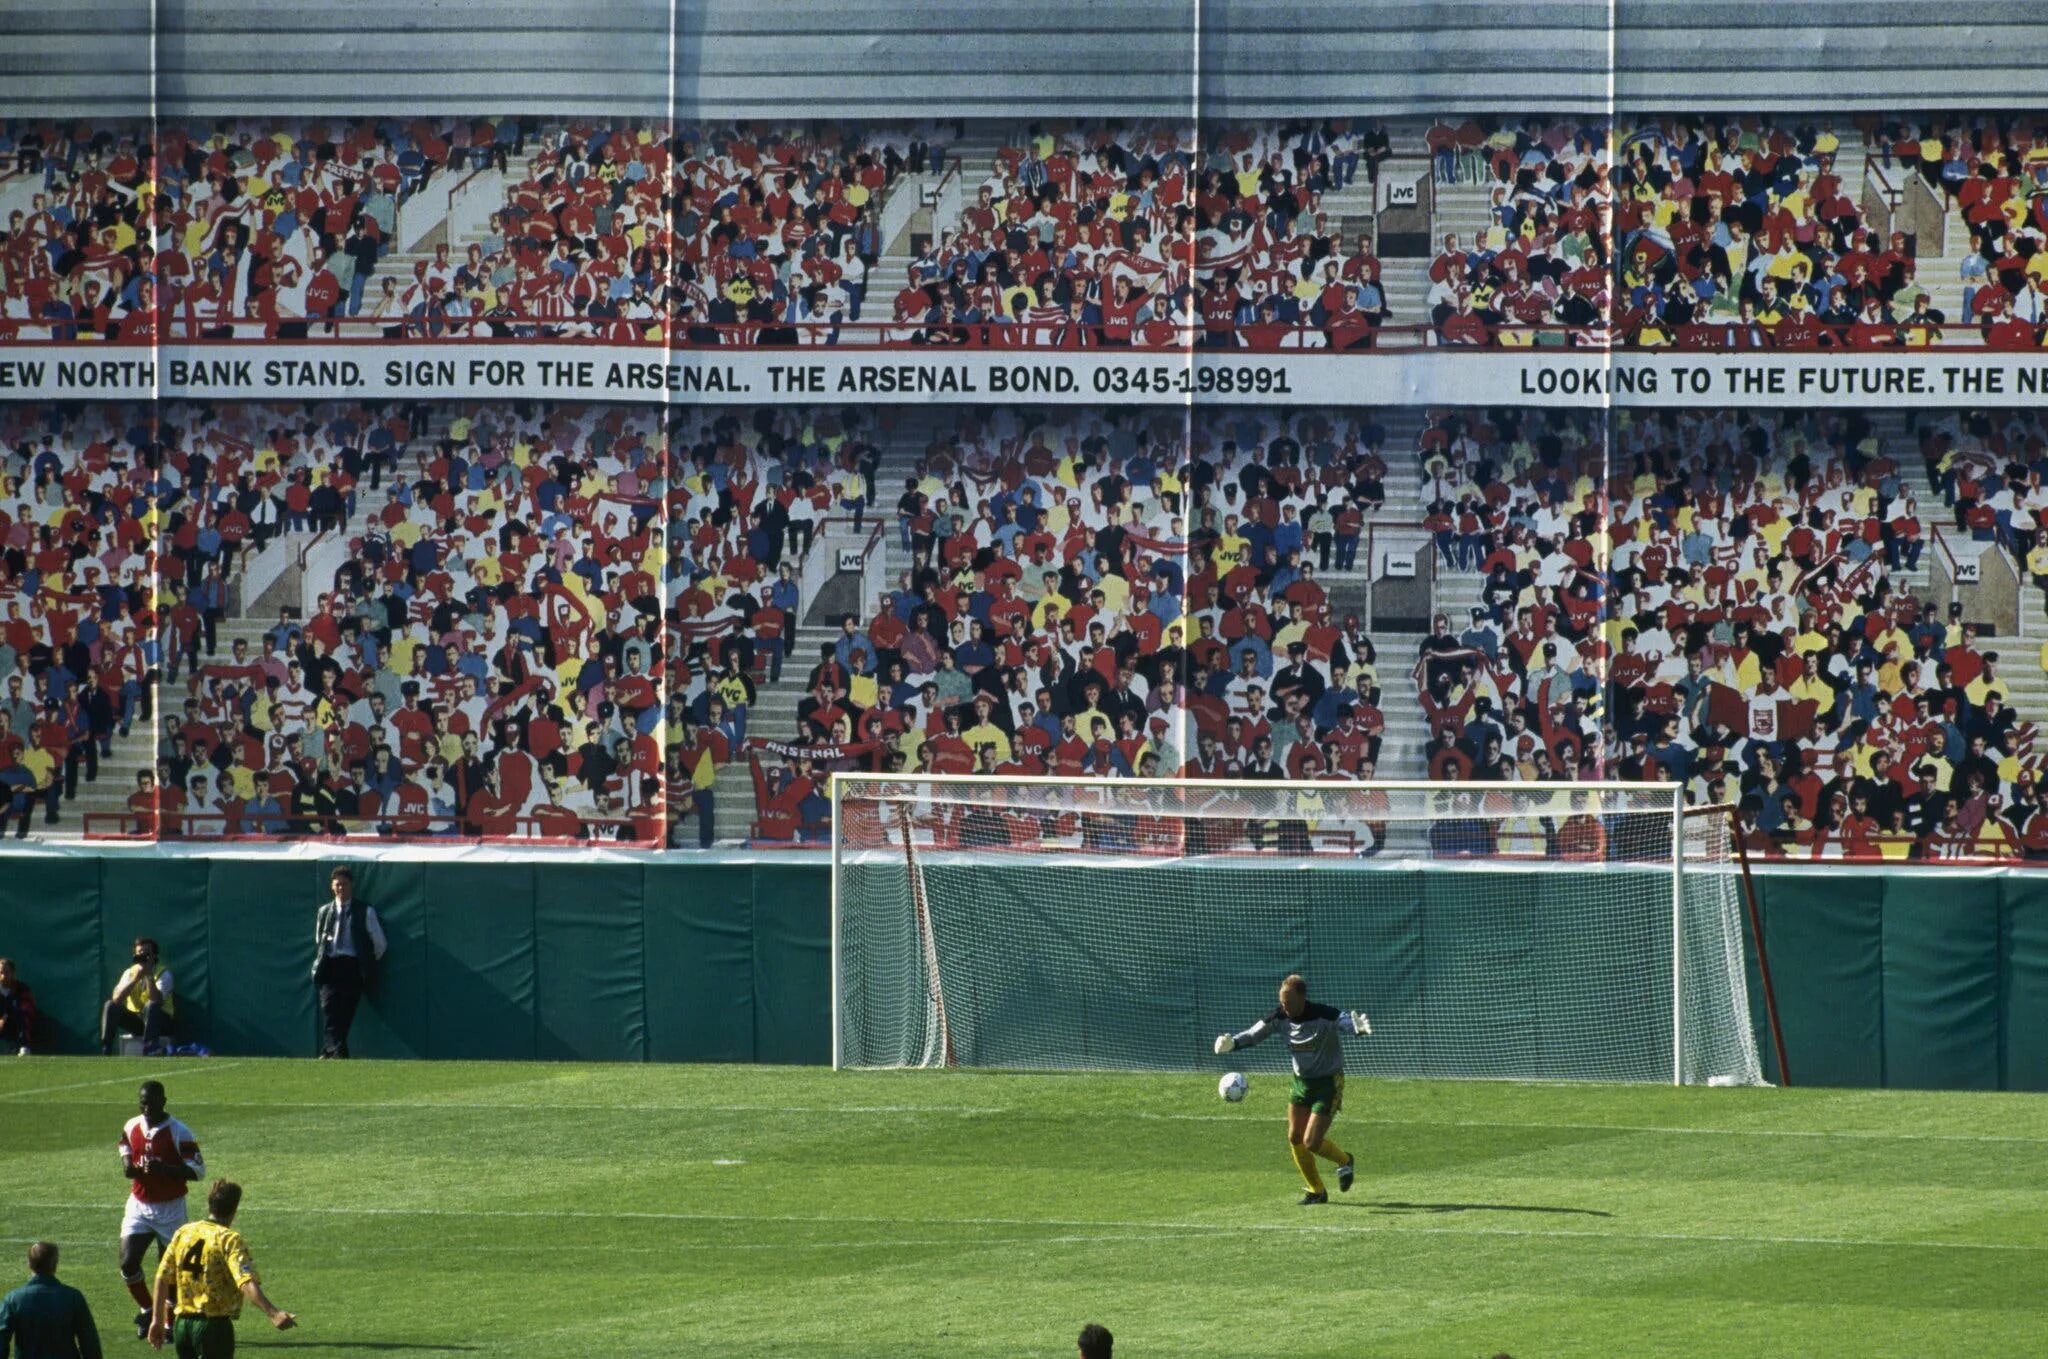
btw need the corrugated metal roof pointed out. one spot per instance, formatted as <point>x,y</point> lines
<point>1236,59</point>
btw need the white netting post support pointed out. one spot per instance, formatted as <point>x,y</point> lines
<point>1716,971</point>
<point>938,1036</point>
<point>838,954</point>
<point>1678,937</point>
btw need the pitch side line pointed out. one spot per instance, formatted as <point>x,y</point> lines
<point>136,1079</point>
<point>552,1106</point>
<point>383,1248</point>
<point>1003,1111</point>
<point>1084,1224</point>
<point>1855,1134</point>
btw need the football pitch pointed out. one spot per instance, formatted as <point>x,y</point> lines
<point>514,1209</point>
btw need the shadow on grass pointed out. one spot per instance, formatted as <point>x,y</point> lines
<point>1390,1207</point>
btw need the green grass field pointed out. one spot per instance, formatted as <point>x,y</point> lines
<point>612,1210</point>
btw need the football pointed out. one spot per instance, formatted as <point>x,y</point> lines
<point>1233,1086</point>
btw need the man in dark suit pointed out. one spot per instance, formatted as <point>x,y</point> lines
<point>17,1011</point>
<point>44,1319</point>
<point>348,940</point>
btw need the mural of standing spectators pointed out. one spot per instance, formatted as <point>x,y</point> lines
<point>588,623</point>
<point>80,495</point>
<point>476,650</point>
<point>1034,625</point>
<point>747,493</point>
<point>1728,601</point>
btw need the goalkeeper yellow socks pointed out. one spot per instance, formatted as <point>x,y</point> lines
<point>1331,1152</point>
<point>1305,1162</point>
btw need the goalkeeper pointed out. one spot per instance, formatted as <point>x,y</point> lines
<point>1318,1090</point>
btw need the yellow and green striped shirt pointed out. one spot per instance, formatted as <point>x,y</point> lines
<point>211,1263</point>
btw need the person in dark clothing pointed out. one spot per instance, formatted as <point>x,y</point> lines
<point>348,939</point>
<point>45,1319</point>
<point>17,1011</point>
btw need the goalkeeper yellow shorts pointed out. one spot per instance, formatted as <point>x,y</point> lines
<point>1318,1094</point>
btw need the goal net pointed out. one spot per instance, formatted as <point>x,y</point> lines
<point>1508,931</point>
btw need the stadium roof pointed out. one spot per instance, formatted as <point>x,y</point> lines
<point>922,58</point>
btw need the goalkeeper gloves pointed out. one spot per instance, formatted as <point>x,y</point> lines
<point>1360,1024</point>
<point>1225,1043</point>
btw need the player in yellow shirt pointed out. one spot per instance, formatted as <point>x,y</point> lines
<point>201,1280</point>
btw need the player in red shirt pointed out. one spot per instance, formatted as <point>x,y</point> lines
<point>160,1156</point>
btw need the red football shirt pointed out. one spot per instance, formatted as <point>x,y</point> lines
<point>170,1140</point>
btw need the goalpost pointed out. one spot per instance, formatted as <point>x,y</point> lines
<point>1554,931</point>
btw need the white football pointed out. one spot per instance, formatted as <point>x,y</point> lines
<point>1233,1086</point>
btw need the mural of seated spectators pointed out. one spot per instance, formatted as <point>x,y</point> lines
<point>269,231</point>
<point>75,259</point>
<point>1988,468</point>
<point>1679,231</point>
<point>1141,236</point>
<point>1988,172</point>
<point>1071,238</point>
<point>1745,236</point>
<point>777,230</point>
<point>254,230</point>
<point>1739,233</point>
<point>1273,269</point>
<point>250,230</point>
<point>577,247</point>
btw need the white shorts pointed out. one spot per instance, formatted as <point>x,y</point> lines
<point>160,1220</point>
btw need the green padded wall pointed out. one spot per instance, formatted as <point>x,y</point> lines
<point>2022,983</point>
<point>50,924</point>
<point>1928,979</point>
<point>699,964</point>
<point>1822,935</point>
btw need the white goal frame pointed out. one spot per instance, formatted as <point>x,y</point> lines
<point>1644,795</point>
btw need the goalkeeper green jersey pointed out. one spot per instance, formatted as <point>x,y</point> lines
<point>1311,1039</point>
